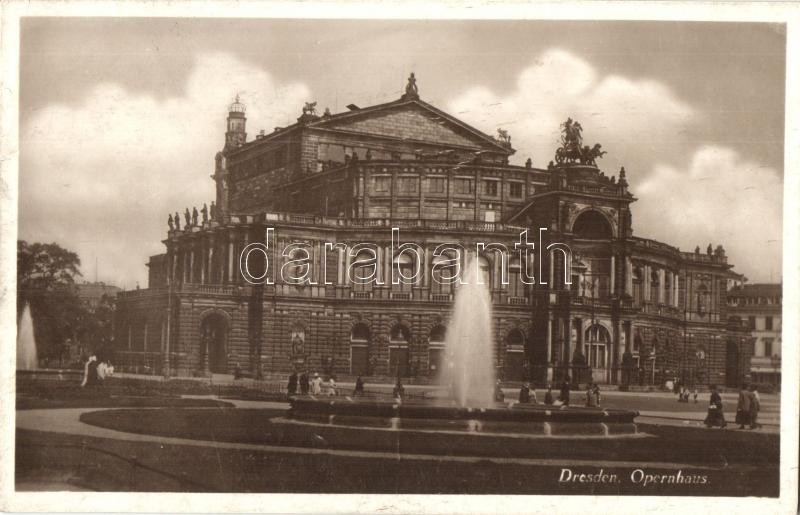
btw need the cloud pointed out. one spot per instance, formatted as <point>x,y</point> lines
<point>100,177</point>
<point>690,193</point>
<point>720,198</point>
<point>634,119</point>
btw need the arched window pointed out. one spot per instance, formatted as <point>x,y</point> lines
<point>399,338</point>
<point>436,346</point>
<point>516,288</point>
<point>596,341</point>
<point>637,285</point>
<point>655,281</point>
<point>359,350</point>
<point>591,225</point>
<point>445,269</point>
<point>486,271</point>
<point>404,267</point>
<point>513,368</point>
<point>365,275</point>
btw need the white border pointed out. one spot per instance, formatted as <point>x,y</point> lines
<point>12,10</point>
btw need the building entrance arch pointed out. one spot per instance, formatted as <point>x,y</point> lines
<point>214,343</point>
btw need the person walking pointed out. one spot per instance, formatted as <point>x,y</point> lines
<point>304,382</point>
<point>596,394</point>
<point>743,407</point>
<point>715,416</point>
<point>525,394</point>
<point>399,391</point>
<point>359,389</point>
<point>591,401</point>
<point>499,396</point>
<point>564,395</point>
<point>548,395</point>
<point>755,406</point>
<point>332,386</point>
<point>291,388</point>
<point>316,384</point>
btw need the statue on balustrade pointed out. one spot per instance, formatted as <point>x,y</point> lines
<point>204,212</point>
<point>194,216</point>
<point>170,223</point>
<point>213,210</point>
<point>188,217</point>
<point>177,221</point>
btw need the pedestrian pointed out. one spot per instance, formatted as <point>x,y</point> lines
<point>755,407</point>
<point>743,407</point>
<point>316,384</point>
<point>499,396</point>
<point>564,394</point>
<point>359,389</point>
<point>332,386</point>
<point>399,391</point>
<point>548,395</point>
<point>596,393</point>
<point>304,382</point>
<point>525,394</point>
<point>715,416</point>
<point>291,388</point>
<point>590,398</point>
<point>695,395</point>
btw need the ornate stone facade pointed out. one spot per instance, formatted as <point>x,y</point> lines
<point>634,311</point>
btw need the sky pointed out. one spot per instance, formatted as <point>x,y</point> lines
<point>120,119</point>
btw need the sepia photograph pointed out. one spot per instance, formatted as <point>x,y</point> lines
<point>472,257</point>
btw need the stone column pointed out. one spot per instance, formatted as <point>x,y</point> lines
<point>646,284</point>
<point>662,275</point>
<point>426,272</point>
<point>568,340</point>
<point>628,276</point>
<point>549,343</point>
<point>613,275</point>
<point>340,266</point>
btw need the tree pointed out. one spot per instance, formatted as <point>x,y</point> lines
<point>46,275</point>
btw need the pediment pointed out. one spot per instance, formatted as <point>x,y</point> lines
<point>414,121</point>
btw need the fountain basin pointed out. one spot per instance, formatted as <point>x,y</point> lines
<point>50,374</point>
<point>497,419</point>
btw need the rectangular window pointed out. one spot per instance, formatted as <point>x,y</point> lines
<point>436,184</point>
<point>464,186</point>
<point>768,324</point>
<point>767,347</point>
<point>407,184</point>
<point>751,323</point>
<point>381,184</point>
<point>490,188</point>
<point>515,189</point>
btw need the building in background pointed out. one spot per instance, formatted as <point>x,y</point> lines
<point>760,306</point>
<point>631,310</point>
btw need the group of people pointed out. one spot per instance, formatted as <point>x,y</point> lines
<point>94,371</point>
<point>310,384</point>
<point>747,408</point>
<point>527,395</point>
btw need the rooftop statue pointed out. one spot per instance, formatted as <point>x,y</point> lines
<point>170,223</point>
<point>204,212</point>
<point>504,137</point>
<point>310,108</point>
<point>177,221</point>
<point>411,87</point>
<point>572,149</point>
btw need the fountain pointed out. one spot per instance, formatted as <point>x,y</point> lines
<point>468,345</point>
<point>28,370</point>
<point>26,342</point>
<point>470,412</point>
